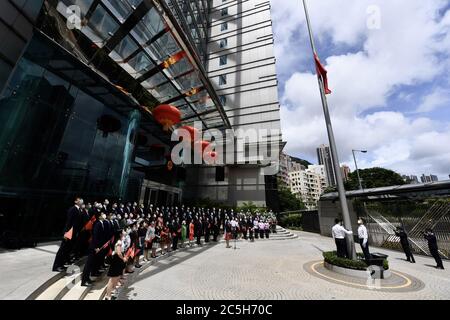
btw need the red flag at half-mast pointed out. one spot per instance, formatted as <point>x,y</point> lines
<point>322,72</point>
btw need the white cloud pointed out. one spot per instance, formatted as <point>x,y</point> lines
<point>409,49</point>
<point>440,97</point>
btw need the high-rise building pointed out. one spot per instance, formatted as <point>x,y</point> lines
<point>84,77</point>
<point>430,178</point>
<point>345,171</point>
<point>241,66</point>
<point>308,184</point>
<point>412,179</point>
<point>324,157</point>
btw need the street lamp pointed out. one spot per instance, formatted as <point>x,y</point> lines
<point>356,166</point>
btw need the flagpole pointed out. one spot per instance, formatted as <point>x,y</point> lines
<point>335,159</point>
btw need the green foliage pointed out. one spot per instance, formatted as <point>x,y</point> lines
<point>385,264</point>
<point>251,207</point>
<point>288,201</point>
<point>332,258</point>
<point>359,264</point>
<point>293,220</point>
<point>330,190</point>
<point>374,178</point>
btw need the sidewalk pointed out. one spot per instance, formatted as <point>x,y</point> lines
<point>24,271</point>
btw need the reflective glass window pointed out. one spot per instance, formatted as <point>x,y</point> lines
<point>223,60</point>
<point>101,24</point>
<point>164,92</point>
<point>189,81</point>
<point>223,100</point>
<point>124,49</point>
<point>139,65</point>
<point>224,26</point>
<point>164,47</point>
<point>223,43</point>
<point>122,8</point>
<point>222,79</point>
<point>150,25</point>
<point>154,81</point>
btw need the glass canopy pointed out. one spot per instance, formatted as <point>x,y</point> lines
<point>136,37</point>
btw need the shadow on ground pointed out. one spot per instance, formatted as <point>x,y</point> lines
<point>160,267</point>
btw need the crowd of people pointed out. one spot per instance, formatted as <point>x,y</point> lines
<point>115,236</point>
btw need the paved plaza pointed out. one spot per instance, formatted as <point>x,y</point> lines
<point>282,269</point>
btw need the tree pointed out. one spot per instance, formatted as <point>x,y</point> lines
<point>330,190</point>
<point>373,178</point>
<point>288,201</point>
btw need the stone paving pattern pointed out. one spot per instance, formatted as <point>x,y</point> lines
<point>273,270</point>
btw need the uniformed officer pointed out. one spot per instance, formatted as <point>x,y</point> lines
<point>433,247</point>
<point>400,232</point>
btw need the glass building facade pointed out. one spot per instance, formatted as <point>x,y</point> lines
<point>78,85</point>
<point>76,106</point>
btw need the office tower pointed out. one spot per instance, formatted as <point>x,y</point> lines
<point>325,158</point>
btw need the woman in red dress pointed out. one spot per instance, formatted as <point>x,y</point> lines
<point>191,233</point>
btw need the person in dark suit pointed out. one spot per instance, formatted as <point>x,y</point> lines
<point>82,244</point>
<point>207,229</point>
<point>433,247</point>
<point>400,232</point>
<point>94,248</point>
<point>198,226</point>
<point>72,226</point>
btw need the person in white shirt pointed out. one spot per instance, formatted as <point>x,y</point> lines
<point>255,228</point>
<point>339,232</point>
<point>261,226</point>
<point>234,228</point>
<point>363,238</point>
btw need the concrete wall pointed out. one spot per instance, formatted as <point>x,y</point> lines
<point>17,18</point>
<point>330,210</point>
<point>241,185</point>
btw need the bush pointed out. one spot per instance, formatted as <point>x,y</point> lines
<point>291,220</point>
<point>332,258</point>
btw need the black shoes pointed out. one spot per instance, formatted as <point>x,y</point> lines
<point>87,283</point>
<point>138,266</point>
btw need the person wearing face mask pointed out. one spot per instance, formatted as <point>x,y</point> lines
<point>71,228</point>
<point>104,236</point>
<point>118,263</point>
<point>175,230</point>
<point>165,239</point>
<point>82,243</point>
<point>92,262</point>
<point>121,209</point>
<point>134,237</point>
<point>149,242</point>
<point>105,206</point>
<point>183,233</point>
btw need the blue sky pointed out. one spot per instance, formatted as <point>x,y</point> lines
<point>388,64</point>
